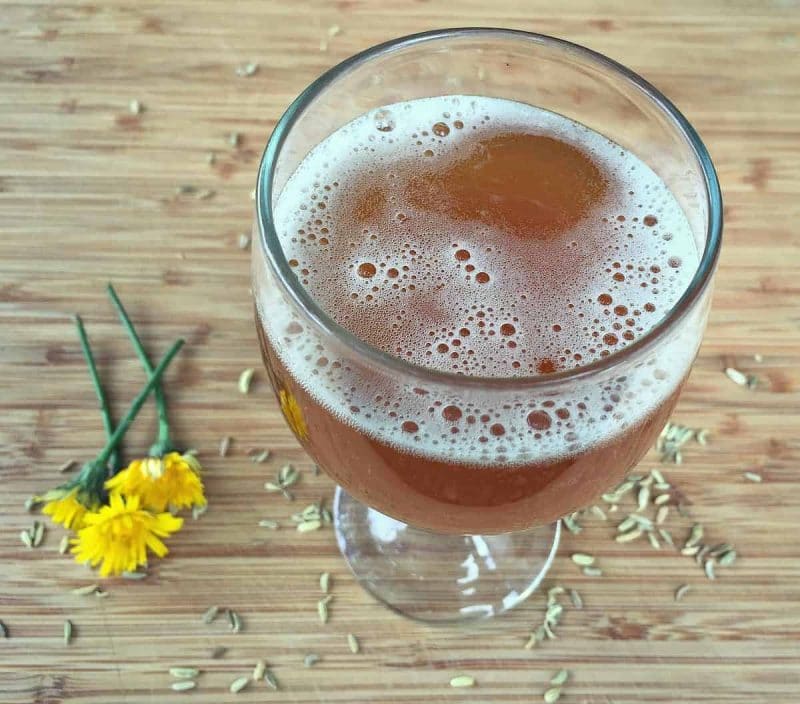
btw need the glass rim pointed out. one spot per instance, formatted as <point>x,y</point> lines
<point>326,324</point>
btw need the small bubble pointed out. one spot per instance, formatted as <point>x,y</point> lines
<point>440,129</point>
<point>384,121</point>
<point>605,299</point>
<point>366,270</point>
<point>539,420</point>
<point>409,426</point>
<point>482,277</point>
<point>451,413</point>
<point>610,338</point>
<point>650,220</point>
<point>507,329</point>
<point>675,262</point>
<point>458,124</point>
<point>462,255</point>
<point>427,152</point>
<point>497,429</point>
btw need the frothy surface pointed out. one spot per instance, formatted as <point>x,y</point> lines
<point>484,237</point>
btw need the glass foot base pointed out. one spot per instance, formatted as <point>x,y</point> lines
<point>441,578</point>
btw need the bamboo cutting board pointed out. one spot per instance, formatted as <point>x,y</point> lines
<point>87,195</point>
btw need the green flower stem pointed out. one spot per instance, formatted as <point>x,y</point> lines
<point>163,443</point>
<point>98,389</point>
<point>138,402</point>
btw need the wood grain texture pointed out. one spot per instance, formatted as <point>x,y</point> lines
<point>87,195</point>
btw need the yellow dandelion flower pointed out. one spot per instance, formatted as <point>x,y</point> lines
<point>161,482</point>
<point>293,414</point>
<point>117,536</point>
<point>67,507</point>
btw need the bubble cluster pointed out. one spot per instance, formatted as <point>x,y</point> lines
<point>364,232</point>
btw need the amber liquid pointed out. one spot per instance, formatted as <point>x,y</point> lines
<point>522,215</point>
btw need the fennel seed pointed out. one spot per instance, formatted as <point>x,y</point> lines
<point>184,673</point>
<point>737,377</point>
<point>727,558</point>
<point>68,628</point>
<point>681,591</point>
<point>259,457</point>
<point>592,571</point>
<point>84,591</point>
<point>661,515</point>
<point>259,670</point>
<point>234,138</point>
<point>753,477</point>
<point>576,599</point>
<point>224,446</point>
<point>3,630</point>
<point>210,614</point>
<point>245,379</point>
<point>218,652</point>
<point>183,685</point>
<point>247,70</point>
<point>582,559</point>
<point>311,659</point>
<point>630,536</point>
<point>244,241</point>
<point>307,526</point>
<point>708,567</point>
<point>552,695</point>
<point>353,644</point>
<point>270,680</point>
<point>135,107</point>
<point>25,537</point>
<point>267,523</point>
<point>235,621</point>
<point>37,534</point>
<point>325,582</point>
<point>559,678</point>
<point>134,575</point>
<point>63,546</point>
<point>462,681</point>
<point>239,684</point>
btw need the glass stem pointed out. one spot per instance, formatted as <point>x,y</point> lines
<point>138,402</point>
<point>163,443</point>
<point>108,425</point>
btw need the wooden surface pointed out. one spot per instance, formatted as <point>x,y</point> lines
<point>87,195</point>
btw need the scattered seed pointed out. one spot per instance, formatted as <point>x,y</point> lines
<point>135,107</point>
<point>708,566</point>
<point>582,559</point>
<point>552,695</point>
<point>691,550</point>
<point>245,379</point>
<point>210,614</point>
<point>25,537</point>
<point>643,498</point>
<point>244,241</point>
<point>253,194</point>
<point>700,556</point>
<point>695,536</point>
<point>84,591</point>
<point>234,138</point>
<point>597,511</point>
<point>100,594</point>
<point>259,670</point>
<point>218,652</point>
<point>325,582</point>
<point>662,514</point>
<point>311,659</point>
<point>134,575</point>
<point>627,524</point>
<point>462,681</point>
<point>239,684</point>
<point>322,610</point>
<point>661,499</point>
<point>198,511</point>
<point>32,503</point>
<point>247,70</point>
<point>307,526</point>
<point>235,621</point>
<point>593,571</point>
<point>63,546</point>
<point>559,678</point>
<point>753,477</point>
<point>271,486</point>
<point>532,642</point>
<point>183,686</point>
<point>184,673</point>
<point>37,535</point>
<point>211,158</point>
<point>657,476</point>
<point>205,194</point>
<point>67,632</point>
<point>3,630</point>
<point>737,377</point>
<point>665,486</point>
<point>680,592</point>
<point>68,466</point>
<point>353,644</point>
<point>727,558</point>
<point>576,599</point>
<point>666,536</point>
<point>629,536</point>
<point>553,593</point>
<point>185,189</point>
<point>702,436</point>
<point>224,446</point>
<point>267,523</point>
<point>572,525</point>
<point>653,541</point>
<point>260,457</point>
<point>269,678</point>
